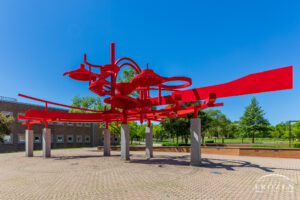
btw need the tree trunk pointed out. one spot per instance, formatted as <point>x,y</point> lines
<point>177,139</point>
<point>222,140</point>
<point>242,140</point>
<point>252,138</point>
<point>186,140</point>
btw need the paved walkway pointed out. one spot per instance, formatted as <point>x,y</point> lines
<point>85,174</point>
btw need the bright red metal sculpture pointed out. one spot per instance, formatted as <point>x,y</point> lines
<point>126,108</point>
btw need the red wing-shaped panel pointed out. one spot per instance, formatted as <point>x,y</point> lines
<point>272,80</point>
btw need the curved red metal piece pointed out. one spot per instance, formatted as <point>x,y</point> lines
<point>129,59</point>
<point>141,109</point>
<point>81,74</point>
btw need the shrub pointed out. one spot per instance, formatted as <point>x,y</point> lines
<point>169,144</point>
<point>296,144</point>
<point>181,144</point>
<point>209,141</point>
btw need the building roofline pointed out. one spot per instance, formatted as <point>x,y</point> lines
<point>13,100</point>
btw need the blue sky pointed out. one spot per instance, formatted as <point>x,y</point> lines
<point>210,41</point>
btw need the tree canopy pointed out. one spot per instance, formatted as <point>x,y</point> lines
<point>4,126</point>
<point>253,122</point>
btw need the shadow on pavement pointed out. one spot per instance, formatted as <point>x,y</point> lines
<point>206,163</point>
<point>77,157</point>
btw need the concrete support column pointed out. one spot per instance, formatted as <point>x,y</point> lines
<point>47,142</point>
<point>29,143</point>
<point>106,142</point>
<point>149,143</point>
<point>195,141</point>
<point>125,142</point>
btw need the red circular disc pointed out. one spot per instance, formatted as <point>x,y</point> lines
<point>181,78</point>
<point>81,74</point>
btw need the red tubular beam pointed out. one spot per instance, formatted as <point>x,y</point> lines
<point>129,59</point>
<point>131,65</point>
<point>89,64</point>
<point>57,104</point>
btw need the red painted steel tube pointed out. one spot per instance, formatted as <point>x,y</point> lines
<point>129,59</point>
<point>58,104</point>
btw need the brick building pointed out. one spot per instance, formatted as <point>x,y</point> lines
<point>63,135</point>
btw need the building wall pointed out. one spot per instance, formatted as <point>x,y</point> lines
<point>80,132</point>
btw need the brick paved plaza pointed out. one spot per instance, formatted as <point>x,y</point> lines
<point>85,174</point>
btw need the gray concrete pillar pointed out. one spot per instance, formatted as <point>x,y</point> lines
<point>195,141</point>
<point>47,142</point>
<point>29,143</point>
<point>106,142</point>
<point>125,142</point>
<point>149,143</point>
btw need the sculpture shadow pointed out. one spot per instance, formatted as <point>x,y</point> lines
<point>80,157</point>
<point>227,164</point>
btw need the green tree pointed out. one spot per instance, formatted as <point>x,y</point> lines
<point>206,121</point>
<point>159,132</point>
<point>87,102</point>
<point>296,130</point>
<point>4,126</point>
<point>126,76</point>
<point>177,127</point>
<point>224,125</point>
<point>253,121</point>
<point>281,130</point>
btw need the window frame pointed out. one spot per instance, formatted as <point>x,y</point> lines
<point>5,113</point>
<point>11,139</point>
<point>19,136</point>
<point>70,142</point>
<point>79,136</point>
<point>63,139</point>
<point>87,136</point>
<point>37,135</point>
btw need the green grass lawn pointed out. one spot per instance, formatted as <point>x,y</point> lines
<point>231,140</point>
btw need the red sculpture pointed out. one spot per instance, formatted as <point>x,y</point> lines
<point>126,108</point>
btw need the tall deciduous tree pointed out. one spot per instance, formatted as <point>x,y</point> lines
<point>87,102</point>
<point>253,122</point>
<point>4,126</point>
<point>296,130</point>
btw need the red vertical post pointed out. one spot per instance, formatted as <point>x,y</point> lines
<point>113,76</point>
<point>112,53</point>
<point>196,112</point>
<point>159,93</point>
<point>90,75</point>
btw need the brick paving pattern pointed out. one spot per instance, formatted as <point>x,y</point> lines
<point>85,174</point>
